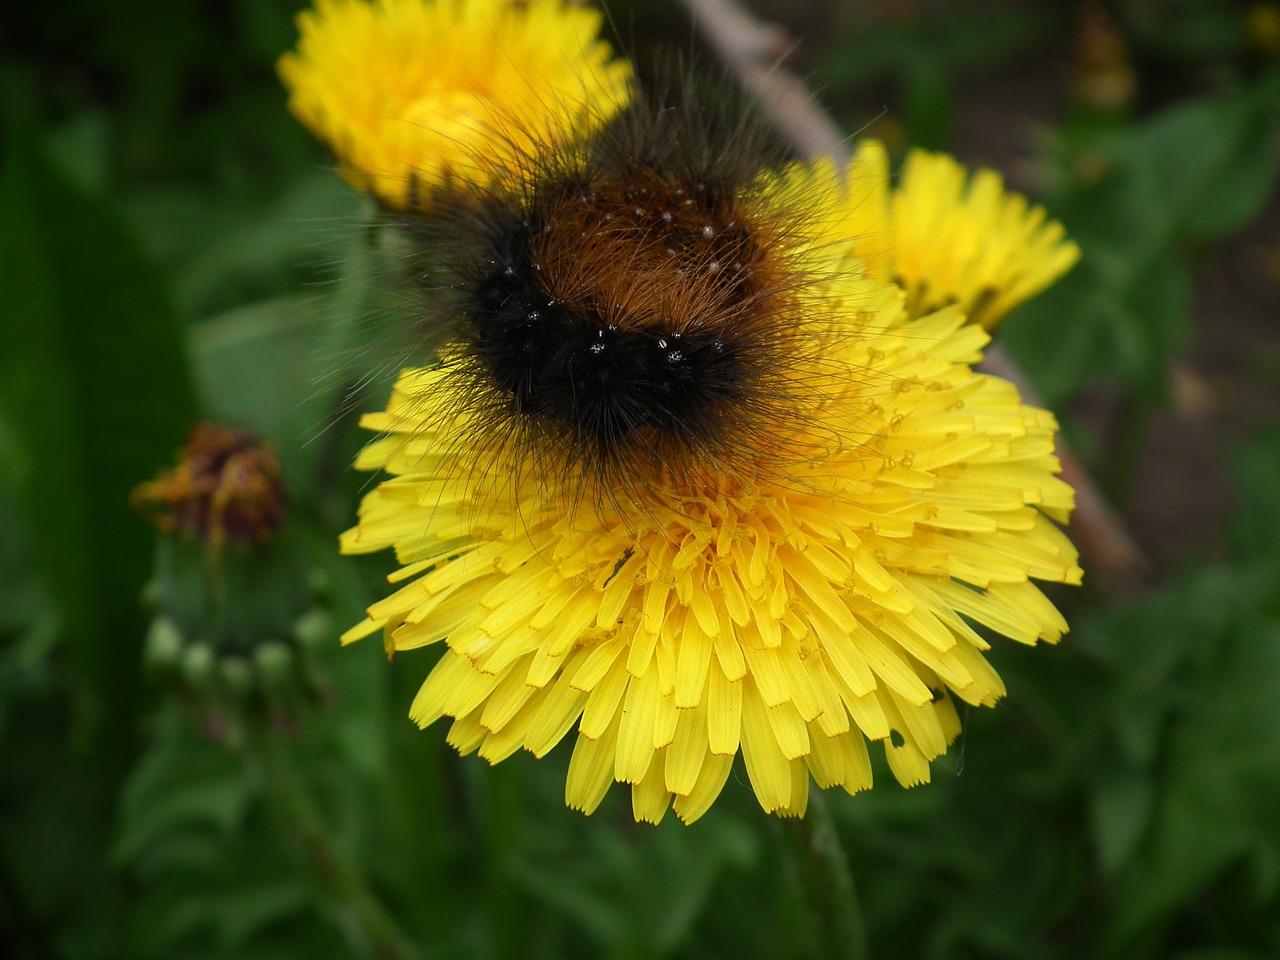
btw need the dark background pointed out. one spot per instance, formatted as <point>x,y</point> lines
<point>174,244</point>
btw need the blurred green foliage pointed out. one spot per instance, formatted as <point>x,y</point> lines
<point>173,243</point>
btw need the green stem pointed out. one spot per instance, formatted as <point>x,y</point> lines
<point>372,928</point>
<point>821,868</point>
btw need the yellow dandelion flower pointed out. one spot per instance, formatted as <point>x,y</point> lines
<point>832,586</point>
<point>412,95</point>
<point>947,237</point>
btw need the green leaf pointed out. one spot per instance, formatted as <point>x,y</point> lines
<point>180,784</point>
<point>641,895</point>
<point>1255,528</point>
<point>94,390</point>
<point>1221,771</point>
<point>257,251</point>
<point>1207,165</point>
<point>1122,808</point>
<point>1192,173</point>
<point>256,366</point>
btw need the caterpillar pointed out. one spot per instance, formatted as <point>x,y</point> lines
<point>800,497</point>
<point>631,311</point>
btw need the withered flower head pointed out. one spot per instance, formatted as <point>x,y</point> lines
<point>226,487</point>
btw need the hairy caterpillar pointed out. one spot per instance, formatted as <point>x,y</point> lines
<point>802,496</point>
<point>632,313</point>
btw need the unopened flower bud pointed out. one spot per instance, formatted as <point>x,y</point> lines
<point>314,630</point>
<point>198,666</point>
<point>275,665</point>
<point>164,646</point>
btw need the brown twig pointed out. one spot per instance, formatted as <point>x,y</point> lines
<point>753,51</point>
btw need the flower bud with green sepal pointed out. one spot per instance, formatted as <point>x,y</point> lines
<point>239,618</point>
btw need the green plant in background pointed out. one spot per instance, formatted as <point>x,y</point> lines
<point>154,201</point>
